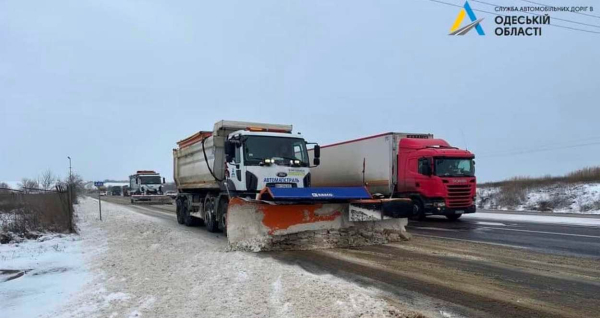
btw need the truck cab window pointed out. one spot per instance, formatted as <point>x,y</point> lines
<point>237,155</point>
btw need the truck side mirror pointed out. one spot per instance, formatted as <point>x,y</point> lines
<point>164,181</point>
<point>137,180</point>
<point>316,161</point>
<point>229,150</point>
<point>317,151</point>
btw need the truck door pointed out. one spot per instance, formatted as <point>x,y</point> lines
<point>411,175</point>
<point>237,170</point>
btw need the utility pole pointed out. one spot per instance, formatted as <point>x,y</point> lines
<point>100,205</point>
<point>70,194</point>
<point>99,184</point>
<point>70,170</point>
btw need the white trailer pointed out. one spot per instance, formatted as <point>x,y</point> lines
<point>369,161</point>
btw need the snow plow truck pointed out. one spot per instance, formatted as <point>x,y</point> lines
<point>146,186</point>
<point>252,181</point>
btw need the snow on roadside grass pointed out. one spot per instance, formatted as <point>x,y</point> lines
<point>557,198</point>
<point>161,269</point>
<point>41,273</point>
<point>546,219</point>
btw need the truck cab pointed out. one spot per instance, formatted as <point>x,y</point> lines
<point>258,159</point>
<point>439,178</point>
<point>146,182</point>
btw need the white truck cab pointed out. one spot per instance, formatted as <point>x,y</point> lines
<point>255,160</point>
<point>146,182</point>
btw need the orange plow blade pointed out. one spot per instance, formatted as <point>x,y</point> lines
<point>254,225</point>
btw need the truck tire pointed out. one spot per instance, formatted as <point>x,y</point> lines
<point>210,215</point>
<point>453,217</point>
<point>222,215</point>
<point>178,212</point>
<point>188,220</point>
<point>419,211</point>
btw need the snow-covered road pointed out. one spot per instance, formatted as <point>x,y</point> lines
<point>133,265</point>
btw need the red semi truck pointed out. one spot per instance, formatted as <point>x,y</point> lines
<point>440,179</point>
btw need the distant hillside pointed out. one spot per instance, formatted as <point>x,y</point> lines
<point>575,192</point>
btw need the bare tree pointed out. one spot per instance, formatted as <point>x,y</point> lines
<point>47,180</point>
<point>28,184</point>
<point>77,183</point>
<point>4,187</point>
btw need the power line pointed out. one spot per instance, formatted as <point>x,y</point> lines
<point>554,18</point>
<point>586,14</point>
<point>539,150</point>
<point>493,13</point>
<point>592,139</point>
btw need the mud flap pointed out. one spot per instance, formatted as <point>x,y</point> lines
<point>254,225</point>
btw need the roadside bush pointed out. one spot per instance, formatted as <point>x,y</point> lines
<point>594,206</point>
<point>511,195</point>
<point>26,212</point>
<point>590,174</point>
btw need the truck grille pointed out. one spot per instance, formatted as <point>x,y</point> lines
<point>459,196</point>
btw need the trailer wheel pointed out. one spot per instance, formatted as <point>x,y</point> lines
<point>209,214</point>
<point>453,217</point>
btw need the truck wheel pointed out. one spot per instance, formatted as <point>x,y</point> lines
<point>188,220</point>
<point>419,210</point>
<point>453,217</point>
<point>223,215</point>
<point>178,212</point>
<point>209,214</point>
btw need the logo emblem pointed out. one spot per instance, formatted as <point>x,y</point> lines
<point>281,174</point>
<point>466,10</point>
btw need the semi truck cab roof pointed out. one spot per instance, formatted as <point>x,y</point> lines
<point>434,147</point>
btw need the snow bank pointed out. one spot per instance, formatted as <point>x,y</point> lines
<point>558,198</point>
<point>36,275</point>
<point>147,266</point>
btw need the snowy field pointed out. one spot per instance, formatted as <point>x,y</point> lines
<point>558,198</point>
<point>133,265</point>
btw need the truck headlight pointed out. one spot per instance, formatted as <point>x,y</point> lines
<point>439,204</point>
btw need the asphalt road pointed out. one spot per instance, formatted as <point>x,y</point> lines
<point>548,237</point>
<point>476,267</point>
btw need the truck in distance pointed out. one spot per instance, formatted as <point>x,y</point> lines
<point>147,186</point>
<point>440,179</point>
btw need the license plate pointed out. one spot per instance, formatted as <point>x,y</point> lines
<point>459,212</point>
<point>283,186</point>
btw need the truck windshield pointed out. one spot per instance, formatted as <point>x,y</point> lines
<point>151,180</point>
<point>454,167</point>
<point>280,149</point>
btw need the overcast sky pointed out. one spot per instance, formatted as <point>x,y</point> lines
<point>115,84</point>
